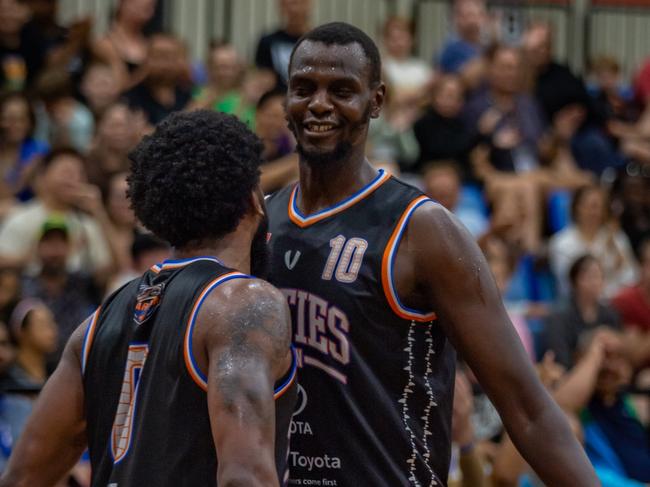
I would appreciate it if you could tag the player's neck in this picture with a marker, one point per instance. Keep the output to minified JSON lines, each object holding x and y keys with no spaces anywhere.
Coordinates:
{"x":327,"y":185}
{"x":233,"y":251}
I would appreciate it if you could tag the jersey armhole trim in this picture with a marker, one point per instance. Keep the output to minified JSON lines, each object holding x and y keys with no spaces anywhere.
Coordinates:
{"x":88,"y":340}
{"x":289,"y":378}
{"x":193,"y":369}
{"x":387,"y":267}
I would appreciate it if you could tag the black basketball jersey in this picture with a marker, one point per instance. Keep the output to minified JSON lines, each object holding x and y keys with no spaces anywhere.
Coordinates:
{"x":146,"y":403}
{"x":375,"y":394}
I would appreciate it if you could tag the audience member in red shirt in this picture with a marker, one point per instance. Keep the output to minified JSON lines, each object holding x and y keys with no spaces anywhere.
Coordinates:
{"x":633,"y":303}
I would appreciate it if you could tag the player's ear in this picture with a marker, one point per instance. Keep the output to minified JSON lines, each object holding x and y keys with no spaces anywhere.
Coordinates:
{"x":257,"y":204}
{"x":377,"y":101}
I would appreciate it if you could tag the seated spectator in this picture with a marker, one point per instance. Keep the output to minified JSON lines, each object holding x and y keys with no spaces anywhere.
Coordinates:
{"x":14,"y":408}
{"x":615,"y":440}
{"x":583,"y":311}
{"x":147,"y":250}
{"x":592,"y":232}
{"x":224,"y":93}
{"x":100,"y":88}
{"x":20,"y":60}
{"x":391,"y":140}
{"x":408,"y":76}
{"x":440,"y":130}
{"x":118,"y":130}
{"x":274,"y":49}
{"x":461,"y":54}
{"x":633,"y":302}
{"x":61,"y":120}
{"x":61,"y":189}
{"x":122,"y":221}
{"x":10,"y":291}
{"x":442,"y":183}
{"x":71,"y":296}
{"x":271,"y":126}
{"x":34,"y":332}
{"x":631,"y":203}
{"x":125,"y":46}
{"x":163,"y":89}
{"x":557,"y":89}
{"x":19,"y":151}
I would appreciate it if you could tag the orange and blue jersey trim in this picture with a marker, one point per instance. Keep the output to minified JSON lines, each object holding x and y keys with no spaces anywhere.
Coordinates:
{"x":387,"y":267}
{"x":195,"y":372}
{"x":304,"y":221}
{"x":176,"y":264}
{"x":88,"y":339}
{"x":290,"y":377}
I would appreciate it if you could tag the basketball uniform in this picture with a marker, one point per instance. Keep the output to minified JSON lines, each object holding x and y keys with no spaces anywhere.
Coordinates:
{"x":375,"y":395}
{"x":146,"y":402}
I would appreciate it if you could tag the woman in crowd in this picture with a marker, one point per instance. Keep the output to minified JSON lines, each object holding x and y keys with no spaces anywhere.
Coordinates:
{"x":592,"y":232}
{"x":35,"y":334}
{"x":125,"y":44}
{"x":18,"y":149}
{"x":584,"y":310}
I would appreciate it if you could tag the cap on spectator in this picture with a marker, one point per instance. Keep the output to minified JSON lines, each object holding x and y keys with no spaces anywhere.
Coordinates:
{"x":54,"y":223}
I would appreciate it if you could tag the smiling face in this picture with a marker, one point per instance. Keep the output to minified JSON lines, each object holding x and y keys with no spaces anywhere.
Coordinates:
{"x":330,"y":100}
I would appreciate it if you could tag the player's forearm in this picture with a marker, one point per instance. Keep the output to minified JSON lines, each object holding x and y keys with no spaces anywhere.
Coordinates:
{"x":551,"y":449}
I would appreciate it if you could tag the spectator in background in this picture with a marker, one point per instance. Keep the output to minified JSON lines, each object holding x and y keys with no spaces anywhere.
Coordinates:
{"x":61,"y":189}
{"x":71,"y":296}
{"x":271,"y":126}
{"x":461,"y":54}
{"x":442,"y":182}
{"x":224,"y":93}
{"x":408,"y":76}
{"x":14,"y":408}
{"x":100,"y":88}
{"x":633,"y":303}
{"x":592,"y":232}
{"x":34,"y":332}
{"x":19,"y":151}
{"x":631,"y":203}
{"x":118,"y":131}
{"x":557,"y":89}
{"x":122,"y":221}
{"x":616,"y":442}
{"x":20,"y":60}
{"x":10,"y":291}
{"x":583,"y":311}
{"x":125,"y":46}
{"x":61,"y":119}
{"x":274,"y":49}
{"x":163,"y":89}
{"x":146,"y":251}
{"x":440,"y":130}
{"x":65,"y":47}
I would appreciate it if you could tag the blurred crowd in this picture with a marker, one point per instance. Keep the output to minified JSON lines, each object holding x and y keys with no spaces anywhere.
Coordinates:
{"x":549,"y":170}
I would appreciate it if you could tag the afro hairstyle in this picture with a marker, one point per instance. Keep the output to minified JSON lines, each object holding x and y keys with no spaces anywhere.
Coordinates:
{"x":343,"y":34}
{"x":192,"y":179}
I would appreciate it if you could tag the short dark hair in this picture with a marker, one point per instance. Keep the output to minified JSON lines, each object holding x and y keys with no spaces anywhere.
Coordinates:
{"x":191,"y":180}
{"x":579,"y":265}
{"x":268,"y":96}
{"x":146,"y":242}
{"x":46,"y":162}
{"x":343,"y":34}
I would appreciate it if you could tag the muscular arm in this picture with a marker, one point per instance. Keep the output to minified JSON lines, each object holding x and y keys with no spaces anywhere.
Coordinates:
{"x":55,"y":435}
{"x":451,"y":277}
{"x":246,"y":341}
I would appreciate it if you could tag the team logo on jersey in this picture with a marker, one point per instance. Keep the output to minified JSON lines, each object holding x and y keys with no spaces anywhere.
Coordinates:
{"x":147,"y":302}
{"x":291,"y":262}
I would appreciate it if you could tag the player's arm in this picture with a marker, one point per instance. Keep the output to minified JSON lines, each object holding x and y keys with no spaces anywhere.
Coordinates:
{"x":455,"y":281}
{"x":247,"y":342}
{"x":55,"y":435}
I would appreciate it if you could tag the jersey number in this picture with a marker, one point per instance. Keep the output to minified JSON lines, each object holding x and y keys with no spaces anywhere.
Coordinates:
{"x":345,"y":259}
{"x":122,"y":432}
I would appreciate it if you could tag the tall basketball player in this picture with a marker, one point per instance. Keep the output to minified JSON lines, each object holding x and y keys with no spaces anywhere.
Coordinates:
{"x":381,"y":282}
{"x":185,"y":376}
